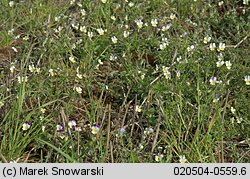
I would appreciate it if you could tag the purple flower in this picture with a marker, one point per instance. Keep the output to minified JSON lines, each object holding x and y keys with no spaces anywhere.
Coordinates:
{"x":26,"y":125}
{"x":60,"y":128}
{"x":72,"y":124}
{"x":121,"y":131}
{"x":95,"y":129}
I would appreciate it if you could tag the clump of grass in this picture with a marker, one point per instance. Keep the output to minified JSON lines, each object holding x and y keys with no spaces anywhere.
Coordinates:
{"x":136,"y":81}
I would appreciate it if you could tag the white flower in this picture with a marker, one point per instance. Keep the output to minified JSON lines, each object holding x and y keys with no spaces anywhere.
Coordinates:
{"x":14,"y":48}
{"x":215,"y":100}
{"x":22,"y":79}
{"x":178,"y":59}
{"x":178,"y":74}
{"x":142,"y":76}
{"x":83,"y":12}
{"x":72,"y":59}
{"x":221,"y":3}
{"x":154,"y":22}
{"x":57,"y":18}
{"x":167,"y":75}
{"x":182,"y":159}
{"x":75,"y":26}
{"x":131,"y":4}
{"x":11,"y":3}
{"x":190,"y":48}
{"x":26,"y":126}
{"x":90,"y":34}
{"x":100,"y":31}
{"x":112,"y":57}
{"x":141,"y":146}
{"x":163,"y":46}
{"x":32,"y":68}
{"x":172,"y":16}
{"x":213,"y":80}
{"x":220,"y":56}
{"x":228,"y":65}
{"x":12,"y":68}
{"x":104,"y":1}
{"x":239,"y":120}
{"x":51,"y":72}
{"x":148,"y":130}
{"x":139,"y":23}
{"x":165,"y":28}
{"x":233,"y":110}
{"x":26,"y":38}
{"x":78,"y":89}
{"x":206,"y":39}
{"x":220,"y":63}
{"x":79,"y":4}
{"x":10,"y":32}
{"x":113,"y":17}
{"x":245,"y":2}
{"x":158,"y":158}
{"x":79,"y":76}
{"x":78,"y":129}
{"x":247,"y":80}
{"x":43,"y":128}
{"x":100,"y":62}
{"x":38,"y":70}
{"x":137,"y":108}
{"x":43,"y":110}
{"x":212,"y":46}
{"x":83,"y":29}
{"x":72,"y":123}
{"x":221,"y":47}
{"x":165,"y":40}
{"x":125,"y":34}
{"x":165,"y":69}
{"x":95,"y":129}
{"x":114,"y":39}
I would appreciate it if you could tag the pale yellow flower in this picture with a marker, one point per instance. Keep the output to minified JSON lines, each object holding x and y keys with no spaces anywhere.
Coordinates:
{"x":114,"y":39}
{"x":247,"y":80}
{"x":172,"y":16}
{"x":221,"y":47}
{"x":12,"y":68}
{"x":212,"y":46}
{"x":72,"y":59}
{"x":182,"y":159}
{"x":100,"y":31}
{"x":137,"y":108}
{"x":228,"y":65}
{"x":158,"y":158}
{"x":154,"y":22}
{"x":206,"y":39}
{"x":213,"y":80}
{"x":43,"y":110}
{"x":139,"y":23}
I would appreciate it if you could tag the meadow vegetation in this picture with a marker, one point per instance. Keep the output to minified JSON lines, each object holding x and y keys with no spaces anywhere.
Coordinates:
{"x":125,"y":81}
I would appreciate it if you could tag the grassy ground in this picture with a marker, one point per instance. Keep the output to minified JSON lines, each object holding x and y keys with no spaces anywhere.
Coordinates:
{"x":124,"y":81}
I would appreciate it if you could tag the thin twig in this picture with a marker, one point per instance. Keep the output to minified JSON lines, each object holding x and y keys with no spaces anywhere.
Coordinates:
{"x":155,"y":79}
{"x":240,"y":42}
{"x":111,"y":152}
{"x":109,"y":118}
{"x":223,"y":116}
{"x":3,"y":158}
{"x":158,"y":126}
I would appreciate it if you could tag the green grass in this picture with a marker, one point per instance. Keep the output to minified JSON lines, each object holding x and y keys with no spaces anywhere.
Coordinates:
{"x":161,"y":97}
